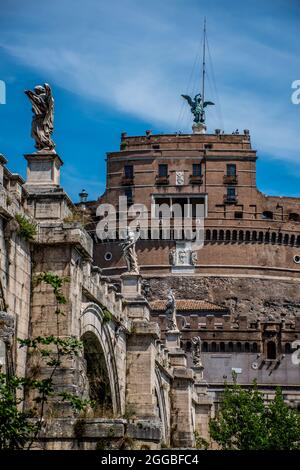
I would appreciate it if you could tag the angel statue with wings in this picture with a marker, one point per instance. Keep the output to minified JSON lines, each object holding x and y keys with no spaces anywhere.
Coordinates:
{"x":197,"y":107}
{"x":43,"y":114}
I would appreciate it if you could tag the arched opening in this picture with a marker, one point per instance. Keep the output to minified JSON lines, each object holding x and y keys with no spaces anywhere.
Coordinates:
{"x":279,"y":238}
{"x":204,"y":347}
{"x":298,"y":240}
{"x":222,"y":346}
{"x":261,"y":237}
{"x":267,"y":237}
{"x":234,"y":236}
{"x":241,"y":235}
{"x":238,"y":347}
{"x":273,"y":237}
{"x":221,"y":235}
{"x":271,"y":350}
{"x":247,"y":347}
{"x":230,"y":346}
{"x":213,"y":347}
{"x":254,"y":236}
{"x":292,"y":240}
{"x":287,"y":348}
{"x":227,"y":235}
{"x":215,"y":235}
{"x":247,"y":238}
{"x":286,"y":239}
{"x":207,"y":235}
{"x":97,"y":374}
{"x":254,"y":347}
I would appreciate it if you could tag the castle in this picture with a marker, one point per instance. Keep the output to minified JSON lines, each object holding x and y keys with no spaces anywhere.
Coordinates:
{"x":236,"y":296}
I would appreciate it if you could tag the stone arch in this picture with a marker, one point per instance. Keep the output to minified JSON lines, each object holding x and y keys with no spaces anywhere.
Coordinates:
{"x":161,"y":405}
{"x":91,"y":323}
{"x":228,"y":235}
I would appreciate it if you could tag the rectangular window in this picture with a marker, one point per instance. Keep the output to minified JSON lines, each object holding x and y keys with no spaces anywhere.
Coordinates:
{"x":128,"y":194}
{"x":238,"y":215}
{"x":231,"y":169}
{"x":196,"y":169}
{"x":128,"y":171}
{"x":231,"y":193}
{"x":163,"y":170}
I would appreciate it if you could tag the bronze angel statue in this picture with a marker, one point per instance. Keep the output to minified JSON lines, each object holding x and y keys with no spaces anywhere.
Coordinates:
{"x":197,"y":107}
{"x":43,"y":115}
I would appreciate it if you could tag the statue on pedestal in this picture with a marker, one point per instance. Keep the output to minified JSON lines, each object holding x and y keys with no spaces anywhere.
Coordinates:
{"x":197,"y":107}
{"x":43,"y":115}
{"x":196,"y":351}
{"x":129,"y":253}
{"x":171,"y":312}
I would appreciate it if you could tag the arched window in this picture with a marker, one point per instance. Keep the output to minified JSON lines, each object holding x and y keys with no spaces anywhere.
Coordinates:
{"x":279,"y":239}
{"x":222,"y":347}
{"x":213,"y":347}
{"x":267,"y":215}
{"x":241,"y":235}
{"x":293,"y":216}
{"x":271,"y":350}
{"x":247,"y":347}
{"x":247,"y":238}
{"x":238,"y":347}
{"x":298,"y":240}
{"x":254,"y":236}
{"x":292,"y":240}
{"x":286,"y":239}
{"x":254,"y":347}
{"x":204,"y":347}
{"x":261,"y":237}
{"x":234,"y":236}
{"x":230,"y":346}
{"x":273,"y":237}
{"x":221,"y":235}
{"x":215,"y":235}
{"x":287,"y":348}
{"x":267,"y":237}
{"x":207,"y":235}
{"x":227,"y":235}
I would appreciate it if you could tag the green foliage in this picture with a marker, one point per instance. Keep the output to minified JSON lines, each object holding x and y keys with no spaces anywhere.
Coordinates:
{"x":56,"y":282}
{"x":247,"y":422}
{"x":16,"y":429}
{"x":200,"y":442}
{"x":15,"y":426}
{"x":107,"y":315}
{"x":27,"y":229}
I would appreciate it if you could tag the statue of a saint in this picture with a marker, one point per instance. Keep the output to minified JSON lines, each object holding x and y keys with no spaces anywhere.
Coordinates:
{"x":129,"y":253}
{"x":43,"y":114}
{"x":196,"y":351}
{"x":171,"y":312}
{"x":197,"y":107}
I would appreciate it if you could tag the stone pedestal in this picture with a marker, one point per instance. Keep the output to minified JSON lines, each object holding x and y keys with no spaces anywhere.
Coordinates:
{"x":199,"y":128}
{"x":173,"y":339}
{"x":43,"y":169}
{"x":131,"y":285}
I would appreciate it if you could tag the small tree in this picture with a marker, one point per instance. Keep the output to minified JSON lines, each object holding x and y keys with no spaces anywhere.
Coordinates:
{"x":246,"y":422}
{"x":20,"y":427}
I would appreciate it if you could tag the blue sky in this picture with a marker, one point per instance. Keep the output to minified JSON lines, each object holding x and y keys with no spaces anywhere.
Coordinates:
{"x":121,"y":65}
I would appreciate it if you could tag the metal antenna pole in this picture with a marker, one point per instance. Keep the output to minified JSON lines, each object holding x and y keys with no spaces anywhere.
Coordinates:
{"x":203,"y":63}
